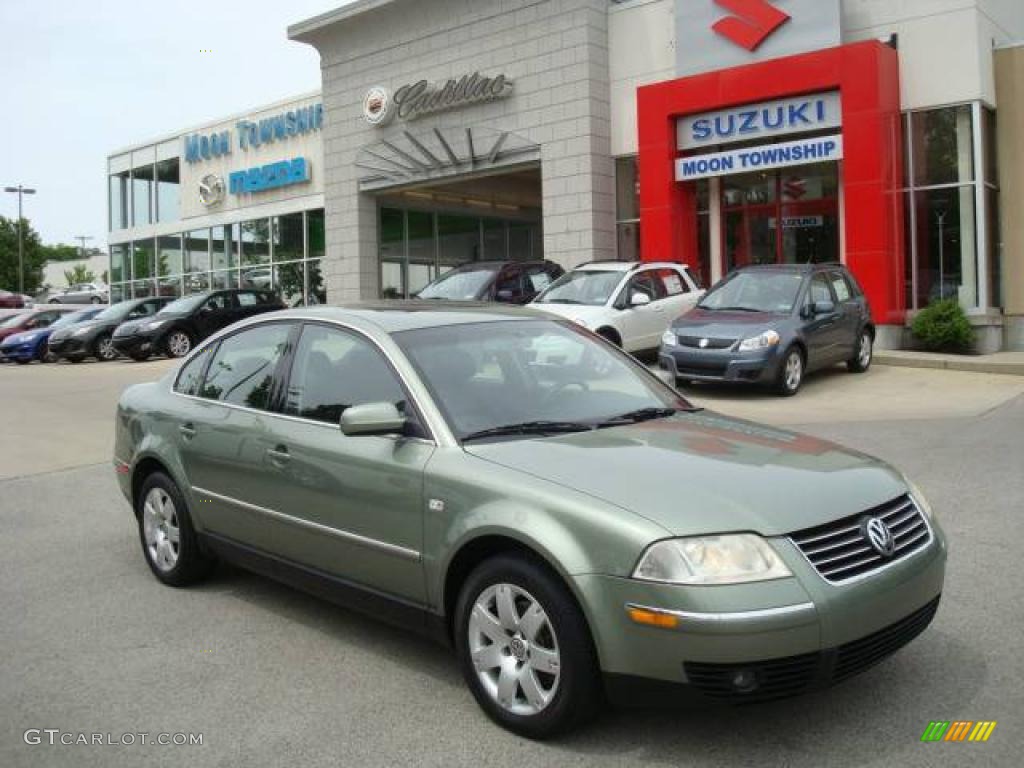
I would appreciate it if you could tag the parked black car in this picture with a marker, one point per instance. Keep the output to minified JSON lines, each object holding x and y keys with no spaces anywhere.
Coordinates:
{"x":772,"y":325}
{"x":510,"y":282}
{"x":93,"y":338}
{"x":185,"y":322}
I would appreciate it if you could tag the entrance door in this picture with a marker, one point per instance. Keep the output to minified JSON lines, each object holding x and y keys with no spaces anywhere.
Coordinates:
{"x":790,"y":216}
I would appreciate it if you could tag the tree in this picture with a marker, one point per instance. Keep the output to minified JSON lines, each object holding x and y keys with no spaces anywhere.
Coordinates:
{"x":34,"y":260}
{"x":61,"y":252}
{"x":79,"y":274}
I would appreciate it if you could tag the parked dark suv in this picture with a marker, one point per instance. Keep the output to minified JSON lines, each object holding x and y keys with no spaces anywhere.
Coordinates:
{"x":176,"y":328}
{"x":771,"y":325}
{"x":510,"y":282}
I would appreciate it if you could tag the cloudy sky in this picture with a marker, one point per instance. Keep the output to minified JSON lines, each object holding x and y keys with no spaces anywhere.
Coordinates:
{"x":84,"y":77}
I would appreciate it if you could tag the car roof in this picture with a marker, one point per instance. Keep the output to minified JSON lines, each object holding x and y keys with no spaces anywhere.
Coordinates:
{"x":625,"y":266}
{"x":798,"y":268}
{"x":398,"y":316}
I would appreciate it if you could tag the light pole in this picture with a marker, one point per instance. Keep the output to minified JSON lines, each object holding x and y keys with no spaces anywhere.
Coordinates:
{"x":83,"y":239}
{"x":20,"y":190}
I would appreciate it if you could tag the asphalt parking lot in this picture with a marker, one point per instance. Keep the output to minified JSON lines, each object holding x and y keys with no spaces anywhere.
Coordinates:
{"x":270,"y":676}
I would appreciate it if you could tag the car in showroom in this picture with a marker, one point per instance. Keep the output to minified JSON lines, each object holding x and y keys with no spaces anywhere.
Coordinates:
{"x":93,"y":338}
{"x":507,"y":282}
{"x":33,"y":344}
{"x":629,"y":303}
{"x":30,"y":320}
{"x":772,"y":325}
{"x":82,"y":293}
{"x":418,"y":462}
{"x":178,"y":326}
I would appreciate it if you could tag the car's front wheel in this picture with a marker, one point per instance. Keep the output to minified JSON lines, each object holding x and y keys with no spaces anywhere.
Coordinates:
{"x":525,"y":649}
{"x":865,"y":353}
{"x":96,"y":300}
{"x":791,"y":373}
{"x":104,"y":348}
{"x":178,"y":344}
{"x":168,"y":539}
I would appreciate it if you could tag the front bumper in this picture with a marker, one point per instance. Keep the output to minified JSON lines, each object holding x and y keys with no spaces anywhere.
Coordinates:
{"x":724,"y":365}
{"x":788,"y":636}
{"x":69,"y":347}
{"x":136,"y":344}
{"x":19,"y":352}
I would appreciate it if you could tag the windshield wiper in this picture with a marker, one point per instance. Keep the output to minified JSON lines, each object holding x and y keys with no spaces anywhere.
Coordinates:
{"x":530,"y":428}
{"x":644,"y":414}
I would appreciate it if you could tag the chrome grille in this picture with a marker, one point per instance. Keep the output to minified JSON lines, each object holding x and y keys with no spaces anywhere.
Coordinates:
{"x":694,"y":342}
{"x":839,"y":551}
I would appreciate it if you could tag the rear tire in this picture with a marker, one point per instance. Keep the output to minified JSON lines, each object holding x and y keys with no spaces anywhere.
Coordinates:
{"x":864,"y":355}
{"x":178,"y":344}
{"x":103,"y":349}
{"x":525,"y":649}
{"x":95,"y":300}
{"x":791,"y":373}
{"x":168,"y":539}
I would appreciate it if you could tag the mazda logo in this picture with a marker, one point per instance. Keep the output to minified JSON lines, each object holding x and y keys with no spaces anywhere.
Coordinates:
{"x":879,"y":536}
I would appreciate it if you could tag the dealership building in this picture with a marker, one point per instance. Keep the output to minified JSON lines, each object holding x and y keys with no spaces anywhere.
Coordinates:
{"x":718,"y":133}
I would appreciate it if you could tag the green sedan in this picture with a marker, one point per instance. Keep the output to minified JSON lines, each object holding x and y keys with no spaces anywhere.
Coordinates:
{"x":523,"y":491}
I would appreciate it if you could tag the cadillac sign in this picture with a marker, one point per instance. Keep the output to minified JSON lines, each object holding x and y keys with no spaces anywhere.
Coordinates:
{"x":415,"y":100}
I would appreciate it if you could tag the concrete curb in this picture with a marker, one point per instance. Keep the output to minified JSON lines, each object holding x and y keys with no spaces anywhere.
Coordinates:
{"x":1014,"y":366}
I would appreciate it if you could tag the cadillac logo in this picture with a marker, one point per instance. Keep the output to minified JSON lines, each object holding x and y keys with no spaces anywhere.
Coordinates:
{"x":377,"y":106}
{"x":879,"y":536}
{"x":211,"y":190}
{"x":704,"y":343}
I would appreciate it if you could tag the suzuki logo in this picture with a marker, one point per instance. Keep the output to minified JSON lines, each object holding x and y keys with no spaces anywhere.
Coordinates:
{"x":753,"y":23}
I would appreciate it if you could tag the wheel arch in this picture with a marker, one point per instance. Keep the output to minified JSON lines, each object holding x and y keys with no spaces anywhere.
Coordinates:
{"x":611,"y":333}
{"x":143,"y":469}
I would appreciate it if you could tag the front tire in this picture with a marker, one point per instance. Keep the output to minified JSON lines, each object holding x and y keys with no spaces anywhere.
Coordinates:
{"x":168,"y":539}
{"x":865,"y":354}
{"x":178,"y":344}
{"x":96,"y":300}
{"x":525,"y":649}
{"x":791,"y":373}
{"x":104,"y":348}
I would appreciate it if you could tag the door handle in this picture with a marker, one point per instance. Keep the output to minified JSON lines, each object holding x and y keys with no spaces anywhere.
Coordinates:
{"x":188,"y":430}
{"x":279,"y":456}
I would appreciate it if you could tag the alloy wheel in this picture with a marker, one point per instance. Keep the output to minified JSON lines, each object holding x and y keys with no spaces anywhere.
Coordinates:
{"x":179,"y":344}
{"x":864,"y":354}
{"x":160,"y":530}
{"x":514,"y":649}
{"x":794,"y":371}
{"x":105,"y":349}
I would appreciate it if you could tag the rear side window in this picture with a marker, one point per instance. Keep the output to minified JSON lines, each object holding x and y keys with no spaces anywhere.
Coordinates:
{"x":673,"y":282}
{"x":539,"y":278}
{"x":335,"y":370}
{"x":190,"y":377}
{"x":242,"y":369}
{"x":841,"y":287}
{"x":819,"y":290}
{"x":248,"y":299}
{"x":217,"y":302}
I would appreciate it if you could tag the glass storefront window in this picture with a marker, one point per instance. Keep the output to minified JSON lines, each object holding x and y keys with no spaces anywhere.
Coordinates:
{"x":224,"y":280}
{"x":255,"y":239}
{"x":119,"y":265}
{"x":143,"y":258}
{"x":120,"y":201}
{"x":421,"y":250}
{"x":627,"y":189}
{"x":117,"y":294}
{"x":142,"y":289}
{"x":458,"y":239}
{"x":943,"y":146}
{"x":495,"y":240}
{"x":197,"y":283}
{"x":629,"y":241}
{"x":316,"y":292}
{"x":168,"y":186}
{"x":225,"y":247}
{"x":392,"y":253}
{"x":946,"y":236}
{"x":168,"y":256}
{"x":142,"y":195}
{"x":169,"y":286}
{"x":520,"y":241}
{"x":316,"y":229}
{"x":197,"y":251}
{"x":289,"y":282}
{"x":289,"y":240}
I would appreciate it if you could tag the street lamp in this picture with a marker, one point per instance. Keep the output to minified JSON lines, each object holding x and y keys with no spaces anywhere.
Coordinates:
{"x":19,"y":191}
{"x":83,"y":239}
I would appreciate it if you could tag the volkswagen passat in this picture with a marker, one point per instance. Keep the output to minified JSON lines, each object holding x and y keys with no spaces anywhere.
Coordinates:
{"x":571,"y":529}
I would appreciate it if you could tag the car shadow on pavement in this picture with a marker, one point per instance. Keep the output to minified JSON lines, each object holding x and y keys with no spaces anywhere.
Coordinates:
{"x":815,"y":382}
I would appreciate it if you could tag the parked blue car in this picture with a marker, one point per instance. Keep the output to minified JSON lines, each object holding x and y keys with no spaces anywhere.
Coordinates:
{"x":25,"y":347}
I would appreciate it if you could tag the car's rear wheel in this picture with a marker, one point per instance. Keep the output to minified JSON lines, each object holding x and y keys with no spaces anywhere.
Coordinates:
{"x":104,"y":348}
{"x":525,"y":649}
{"x":168,"y":539}
{"x":178,"y":344}
{"x":865,"y":353}
{"x":791,"y":373}
{"x":96,"y":300}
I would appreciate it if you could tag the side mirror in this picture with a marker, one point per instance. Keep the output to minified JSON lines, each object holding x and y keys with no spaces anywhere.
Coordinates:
{"x":639,"y":299}
{"x":372,"y":419}
{"x":824,"y":308}
{"x":506,"y":296}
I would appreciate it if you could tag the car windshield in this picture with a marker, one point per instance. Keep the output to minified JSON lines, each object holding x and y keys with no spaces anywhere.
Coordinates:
{"x":117,"y":311}
{"x":15,"y":320}
{"x":532,"y":377}
{"x":754,"y":291}
{"x":462,"y":284}
{"x":74,"y":317}
{"x":591,"y":287}
{"x":183,"y":306}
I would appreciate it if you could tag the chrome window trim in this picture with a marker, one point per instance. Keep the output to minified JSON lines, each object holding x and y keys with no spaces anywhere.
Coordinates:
{"x":731,"y":621}
{"x":886,"y":565}
{"x":382,"y":546}
{"x":217,"y":338}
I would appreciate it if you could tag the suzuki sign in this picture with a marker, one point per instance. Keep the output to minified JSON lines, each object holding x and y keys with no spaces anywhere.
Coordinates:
{"x":822,"y":111}
{"x":717,"y":34}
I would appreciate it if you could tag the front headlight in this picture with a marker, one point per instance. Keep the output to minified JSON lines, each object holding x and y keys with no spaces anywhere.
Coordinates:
{"x":153,"y":325}
{"x":919,"y":499}
{"x":764,"y":341}
{"x":731,"y":559}
{"x":669,"y":339}
{"x":81,"y":332}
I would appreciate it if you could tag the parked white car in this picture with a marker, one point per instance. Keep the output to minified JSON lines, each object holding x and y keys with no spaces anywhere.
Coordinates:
{"x":82,"y":293}
{"x":629,"y":303}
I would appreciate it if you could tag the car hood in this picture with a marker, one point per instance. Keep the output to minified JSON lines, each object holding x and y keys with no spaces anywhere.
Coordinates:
{"x":702,"y":473}
{"x":579,"y":313}
{"x":25,"y":337}
{"x":725,"y":325}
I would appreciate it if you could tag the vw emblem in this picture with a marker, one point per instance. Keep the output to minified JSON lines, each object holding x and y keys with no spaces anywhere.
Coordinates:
{"x":879,"y":536}
{"x":211,"y":190}
{"x":378,"y":106}
{"x":704,"y":343}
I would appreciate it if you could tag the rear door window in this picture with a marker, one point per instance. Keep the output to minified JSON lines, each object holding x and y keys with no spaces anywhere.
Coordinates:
{"x":673,"y":282}
{"x":820,"y":290}
{"x":243,"y":368}
{"x":841,"y":287}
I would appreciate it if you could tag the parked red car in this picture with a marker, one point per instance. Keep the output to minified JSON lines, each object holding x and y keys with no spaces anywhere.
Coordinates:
{"x":10,"y":300}
{"x":29,"y":321}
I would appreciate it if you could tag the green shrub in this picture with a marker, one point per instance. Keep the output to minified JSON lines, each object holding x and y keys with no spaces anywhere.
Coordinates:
{"x":944,"y":327}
